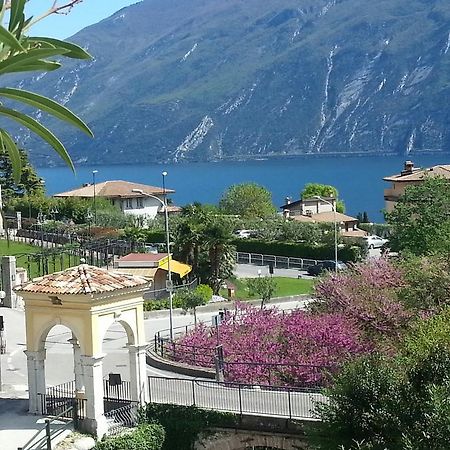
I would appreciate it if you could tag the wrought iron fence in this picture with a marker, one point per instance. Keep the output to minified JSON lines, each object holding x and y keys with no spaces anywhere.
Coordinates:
{"x":116,"y":395}
{"x":262,"y":400}
{"x":278,"y":262}
{"x":120,"y":419}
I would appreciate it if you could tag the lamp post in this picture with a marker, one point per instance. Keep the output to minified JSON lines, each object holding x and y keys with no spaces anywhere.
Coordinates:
{"x":2,"y":343}
{"x":95,"y":205}
{"x":169,"y":285}
{"x":333,"y":205}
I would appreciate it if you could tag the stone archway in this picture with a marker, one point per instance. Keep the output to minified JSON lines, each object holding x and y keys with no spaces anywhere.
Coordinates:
{"x":249,"y":440}
{"x":87,"y":300}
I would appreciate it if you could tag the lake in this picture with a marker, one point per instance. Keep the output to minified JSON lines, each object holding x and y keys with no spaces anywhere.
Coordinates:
{"x":359,"y":180}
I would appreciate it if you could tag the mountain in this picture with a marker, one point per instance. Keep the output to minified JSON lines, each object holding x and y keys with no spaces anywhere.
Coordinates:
{"x":183,"y":80}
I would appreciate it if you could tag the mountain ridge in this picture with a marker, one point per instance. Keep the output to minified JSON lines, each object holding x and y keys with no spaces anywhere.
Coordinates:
{"x":215,"y":80}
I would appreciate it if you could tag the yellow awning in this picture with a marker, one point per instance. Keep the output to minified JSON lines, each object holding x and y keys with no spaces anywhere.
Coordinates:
{"x":177,"y":267}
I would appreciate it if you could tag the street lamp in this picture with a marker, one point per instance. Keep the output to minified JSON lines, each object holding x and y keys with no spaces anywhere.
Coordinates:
{"x":95,"y":206}
{"x":333,"y":205}
{"x":169,"y":285}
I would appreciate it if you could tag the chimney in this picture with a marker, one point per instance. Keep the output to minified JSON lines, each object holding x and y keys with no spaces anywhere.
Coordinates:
{"x":409,"y":168}
{"x":288,"y":200}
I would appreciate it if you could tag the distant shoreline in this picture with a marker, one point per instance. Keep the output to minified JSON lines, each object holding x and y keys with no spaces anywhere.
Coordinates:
{"x":254,"y":158}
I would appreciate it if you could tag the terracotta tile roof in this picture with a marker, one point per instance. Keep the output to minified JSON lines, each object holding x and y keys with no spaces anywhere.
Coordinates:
{"x":114,"y":189}
{"x":171,"y":209}
{"x":83,"y":279}
{"x":301,"y":218}
{"x":329,"y":217}
{"x":150,"y":257}
{"x":442,"y":170}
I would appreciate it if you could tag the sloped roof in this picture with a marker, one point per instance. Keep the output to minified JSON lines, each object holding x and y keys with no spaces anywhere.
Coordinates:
{"x":442,"y":170}
{"x":139,"y":257}
{"x":327,"y":217}
{"x":83,"y":279}
{"x":114,"y":189}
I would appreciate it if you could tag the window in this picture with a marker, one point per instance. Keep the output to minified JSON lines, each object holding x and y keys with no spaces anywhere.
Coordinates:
{"x":139,"y":202}
{"x":129,"y":203}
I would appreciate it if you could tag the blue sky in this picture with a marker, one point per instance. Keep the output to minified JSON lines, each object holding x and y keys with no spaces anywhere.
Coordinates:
{"x":86,"y":13}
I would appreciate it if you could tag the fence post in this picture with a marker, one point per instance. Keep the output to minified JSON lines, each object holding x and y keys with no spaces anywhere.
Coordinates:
{"x":193,"y":392}
{"x":240,"y":400}
{"x":47,"y":433}
{"x":289,"y":403}
{"x":75,"y":413}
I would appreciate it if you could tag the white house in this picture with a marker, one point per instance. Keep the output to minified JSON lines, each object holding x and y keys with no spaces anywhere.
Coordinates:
{"x":121,"y":195}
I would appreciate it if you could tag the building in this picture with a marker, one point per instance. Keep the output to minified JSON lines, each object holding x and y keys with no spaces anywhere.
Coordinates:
{"x":153,"y":266}
{"x":308,"y":206}
{"x":410,"y":176}
{"x":321,"y":210}
{"x":121,"y":195}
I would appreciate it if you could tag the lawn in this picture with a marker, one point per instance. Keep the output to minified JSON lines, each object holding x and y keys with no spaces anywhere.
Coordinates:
{"x":23,"y":253}
{"x":285,"y":288}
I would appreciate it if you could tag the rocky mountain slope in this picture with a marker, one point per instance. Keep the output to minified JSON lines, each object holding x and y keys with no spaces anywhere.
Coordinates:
{"x":181,"y":80}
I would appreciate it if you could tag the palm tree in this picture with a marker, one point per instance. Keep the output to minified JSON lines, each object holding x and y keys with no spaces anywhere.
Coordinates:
{"x":20,"y":53}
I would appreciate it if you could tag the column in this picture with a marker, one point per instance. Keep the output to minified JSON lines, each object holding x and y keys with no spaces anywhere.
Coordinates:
{"x":36,"y":380}
{"x":9,"y":280}
{"x":138,"y":373}
{"x":77,"y":366}
{"x":95,"y":422}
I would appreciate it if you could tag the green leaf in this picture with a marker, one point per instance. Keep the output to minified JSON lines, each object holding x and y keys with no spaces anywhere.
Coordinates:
{"x":37,"y":128}
{"x":46,"y":104}
{"x":10,"y":146}
{"x":73,"y":51}
{"x":9,"y":39}
{"x":16,"y":13}
{"x":18,"y":63}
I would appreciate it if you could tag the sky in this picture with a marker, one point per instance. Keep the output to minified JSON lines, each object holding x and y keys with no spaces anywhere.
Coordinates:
{"x":82,"y":15}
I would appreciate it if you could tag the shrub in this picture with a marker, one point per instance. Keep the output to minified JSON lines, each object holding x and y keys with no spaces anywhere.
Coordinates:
{"x":183,"y":424}
{"x":145,"y":437}
{"x":295,"y":250}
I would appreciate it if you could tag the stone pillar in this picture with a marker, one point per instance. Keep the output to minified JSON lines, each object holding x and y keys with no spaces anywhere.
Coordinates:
{"x":138,"y":374}
{"x":36,"y":380}
{"x":95,"y":422}
{"x":77,"y":367}
{"x":9,"y":280}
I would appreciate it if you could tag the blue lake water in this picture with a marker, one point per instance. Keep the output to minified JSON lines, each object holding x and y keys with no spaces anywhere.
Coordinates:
{"x":359,"y":180}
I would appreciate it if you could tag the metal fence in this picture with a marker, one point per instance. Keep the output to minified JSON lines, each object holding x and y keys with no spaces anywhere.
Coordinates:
{"x":120,"y":419}
{"x":278,"y":262}
{"x":259,"y":400}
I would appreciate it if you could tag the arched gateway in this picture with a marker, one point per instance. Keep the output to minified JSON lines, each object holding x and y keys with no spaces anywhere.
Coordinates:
{"x":87,"y":300}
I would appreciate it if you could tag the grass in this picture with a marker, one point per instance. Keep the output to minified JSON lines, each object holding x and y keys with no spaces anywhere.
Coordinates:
{"x":285,"y":288}
{"x":23,"y":253}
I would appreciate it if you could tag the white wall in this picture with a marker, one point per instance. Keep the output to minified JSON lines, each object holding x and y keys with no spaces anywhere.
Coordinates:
{"x":150,"y":209}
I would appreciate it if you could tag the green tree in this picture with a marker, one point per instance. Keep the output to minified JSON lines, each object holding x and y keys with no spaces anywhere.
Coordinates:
{"x":190,"y":299}
{"x":21,"y":53}
{"x":248,"y":200}
{"x":219,"y":256}
{"x":322,"y":190}
{"x":263,"y":287}
{"x":420,"y":221}
{"x":29,"y":182}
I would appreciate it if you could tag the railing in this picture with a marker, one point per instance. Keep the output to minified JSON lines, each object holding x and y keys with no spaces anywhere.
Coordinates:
{"x":260,"y":400}
{"x":116,"y":395}
{"x":122,"y":418}
{"x":70,"y":412}
{"x":278,"y":262}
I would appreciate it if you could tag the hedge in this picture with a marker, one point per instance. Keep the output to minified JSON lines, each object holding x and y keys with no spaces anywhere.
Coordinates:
{"x":183,"y":424}
{"x":145,"y":437}
{"x":346,"y":253}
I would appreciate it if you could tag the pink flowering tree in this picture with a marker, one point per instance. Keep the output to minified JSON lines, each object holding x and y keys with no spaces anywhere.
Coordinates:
{"x":367,"y":295}
{"x":268,"y":346}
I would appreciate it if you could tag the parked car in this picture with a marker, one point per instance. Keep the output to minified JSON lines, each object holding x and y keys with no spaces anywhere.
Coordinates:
{"x":323,"y":266}
{"x":374,"y":241}
{"x":245,"y":234}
